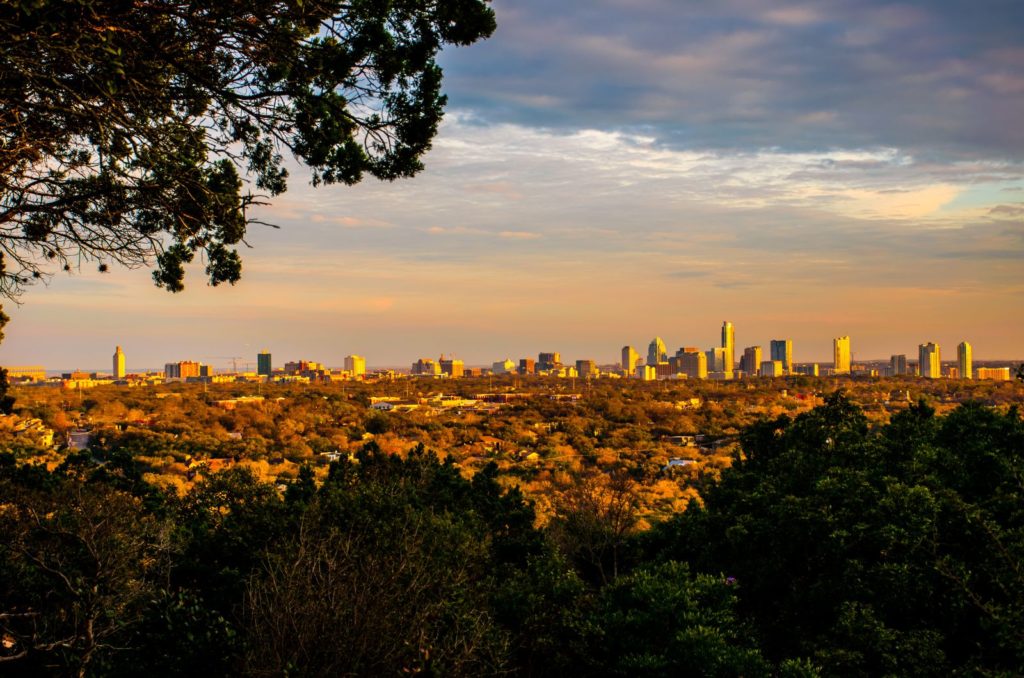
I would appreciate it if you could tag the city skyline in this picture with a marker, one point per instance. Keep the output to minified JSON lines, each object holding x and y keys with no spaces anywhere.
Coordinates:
{"x":748,"y":359}
{"x":621,"y":170}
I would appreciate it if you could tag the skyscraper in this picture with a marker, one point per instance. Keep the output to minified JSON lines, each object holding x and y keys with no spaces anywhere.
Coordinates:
{"x":841,"y":355}
{"x":715,"y":358}
{"x":694,"y":364}
{"x":729,"y":344}
{"x":453,"y":367}
{"x":118,"y":363}
{"x":782,"y":349}
{"x":549,"y":361}
{"x":750,"y":363}
{"x":929,"y":360}
{"x":263,"y":364}
{"x":629,"y":359}
{"x":657,"y":354}
{"x":965,"y":360}
{"x":356,"y":364}
{"x":898,"y":364}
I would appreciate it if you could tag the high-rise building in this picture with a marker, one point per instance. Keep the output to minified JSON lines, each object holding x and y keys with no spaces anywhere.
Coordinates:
{"x":426,"y":366}
{"x":841,"y":355}
{"x":930,"y":360}
{"x":549,"y":361}
{"x":694,"y":364}
{"x":898,"y":365}
{"x":716,"y":358}
{"x":729,"y":344}
{"x":264,"y":367}
{"x":527,"y":366}
{"x":657,"y":354}
{"x":782,"y":349}
{"x":118,"y":363}
{"x":751,"y":360}
{"x":586,"y":368}
{"x":182,"y":370}
{"x":355,"y":365}
{"x":453,"y":367}
{"x":771,"y":368}
{"x":965,"y":360}
{"x":630,"y":358}
{"x":505,"y":366}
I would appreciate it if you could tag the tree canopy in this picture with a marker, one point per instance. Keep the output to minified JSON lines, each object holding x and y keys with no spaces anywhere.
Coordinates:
{"x":142,"y":132}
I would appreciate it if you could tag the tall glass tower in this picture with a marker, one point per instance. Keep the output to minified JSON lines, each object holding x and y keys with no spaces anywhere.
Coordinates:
{"x":729,"y":344}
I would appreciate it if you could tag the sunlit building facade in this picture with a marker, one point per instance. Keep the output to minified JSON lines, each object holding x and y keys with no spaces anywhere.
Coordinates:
{"x":729,"y":345}
{"x":549,"y":361}
{"x":586,"y":368}
{"x":630,"y":359}
{"x":751,"y":360}
{"x":694,"y":364}
{"x":355,"y":365}
{"x":453,"y":367}
{"x":930,"y":360}
{"x":782,"y":349}
{"x":657,"y":354}
{"x":118,"y":370}
{"x":841,"y":355}
{"x":965,"y":360}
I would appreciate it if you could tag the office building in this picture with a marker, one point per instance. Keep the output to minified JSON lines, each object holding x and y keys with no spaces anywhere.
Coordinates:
{"x":264,"y":367}
{"x":694,"y":364}
{"x":729,"y":344}
{"x":426,"y":367}
{"x":645,"y":372}
{"x":549,"y":361}
{"x":630,"y":359}
{"x":997,"y":373}
{"x":841,"y":355}
{"x":182,"y":370}
{"x":453,"y":367}
{"x":716,"y":359}
{"x":782,"y":349}
{"x":930,"y":360}
{"x":751,"y":360}
{"x":810,"y":370}
{"x":898,"y":365}
{"x":586,"y":368}
{"x":771,"y":368}
{"x":355,"y":365}
{"x":118,"y":370}
{"x":527,"y":366}
{"x":505,"y":366}
{"x":965,"y":360}
{"x":657,"y":354}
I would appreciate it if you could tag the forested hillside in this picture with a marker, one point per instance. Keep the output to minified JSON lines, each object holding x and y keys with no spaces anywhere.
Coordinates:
{"x":830,"y":546}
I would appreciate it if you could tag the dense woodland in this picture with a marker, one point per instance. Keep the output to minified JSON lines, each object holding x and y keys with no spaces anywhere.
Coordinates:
{"x":839,"y":536}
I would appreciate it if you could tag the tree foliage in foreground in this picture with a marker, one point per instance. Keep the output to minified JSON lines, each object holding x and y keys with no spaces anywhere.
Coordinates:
{"x":126,"y":128}
{"x":829,"y":548}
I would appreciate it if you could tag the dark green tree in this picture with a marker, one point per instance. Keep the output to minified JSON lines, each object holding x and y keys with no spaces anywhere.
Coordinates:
{"x":6,"y":401}
{"x":129,"y":130}
{"x":893,"y":551}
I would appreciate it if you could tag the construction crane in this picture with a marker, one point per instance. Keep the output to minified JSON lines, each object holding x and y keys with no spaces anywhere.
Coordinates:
{"x":233,"y":358}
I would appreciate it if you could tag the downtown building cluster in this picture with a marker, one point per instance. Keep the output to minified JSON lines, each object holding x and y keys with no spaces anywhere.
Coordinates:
{"x":721,"y":362}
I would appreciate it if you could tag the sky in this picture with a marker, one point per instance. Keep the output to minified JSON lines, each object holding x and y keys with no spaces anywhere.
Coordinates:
{"x":613,"y":170}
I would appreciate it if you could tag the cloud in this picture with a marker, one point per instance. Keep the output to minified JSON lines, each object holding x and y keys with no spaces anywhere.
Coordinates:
{"x":519,"y":235}
{"x":934,"y":79}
